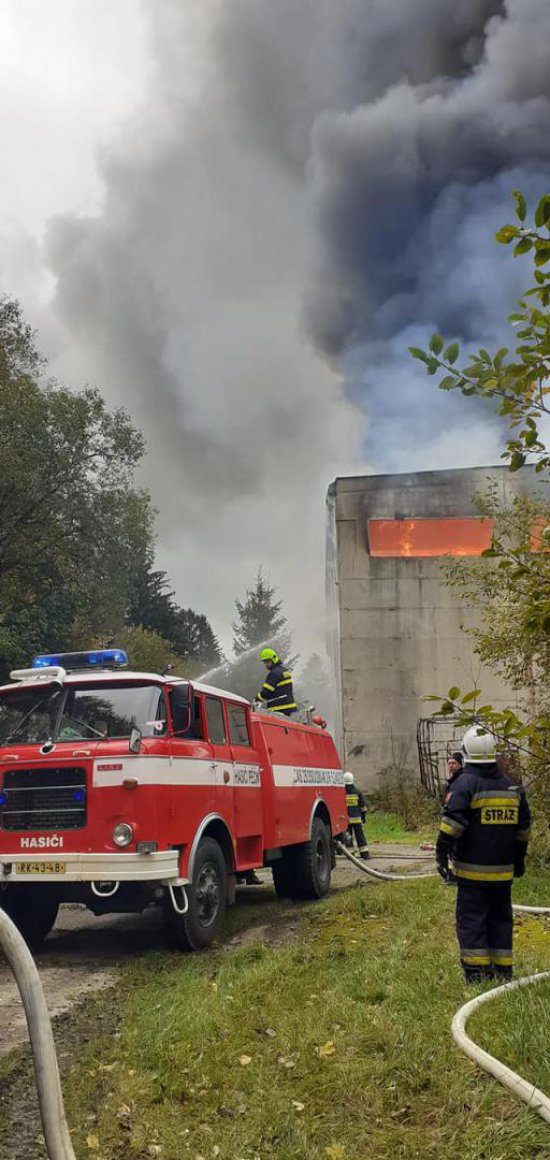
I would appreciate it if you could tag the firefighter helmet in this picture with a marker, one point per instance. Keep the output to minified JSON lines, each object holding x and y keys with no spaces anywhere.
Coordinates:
{"x":348,"y":779}
{"x":479,"y":746}
{"x":269,"y":654}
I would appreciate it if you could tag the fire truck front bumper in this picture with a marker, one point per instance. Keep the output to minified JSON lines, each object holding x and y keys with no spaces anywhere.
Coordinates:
{"x":160,"y":866}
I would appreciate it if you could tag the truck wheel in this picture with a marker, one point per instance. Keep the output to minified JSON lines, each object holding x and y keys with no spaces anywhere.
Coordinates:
{"x":207,"y":899}
{"x":314,"y":864}
{"x":33,"y":909}
{"x":284,"y":875}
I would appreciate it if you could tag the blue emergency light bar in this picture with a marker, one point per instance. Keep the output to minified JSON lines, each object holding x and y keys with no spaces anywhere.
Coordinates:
{"x":104,"y":658}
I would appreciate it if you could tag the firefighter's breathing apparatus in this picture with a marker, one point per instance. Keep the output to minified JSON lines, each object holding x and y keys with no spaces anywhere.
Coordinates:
{"x":536,"y":1100}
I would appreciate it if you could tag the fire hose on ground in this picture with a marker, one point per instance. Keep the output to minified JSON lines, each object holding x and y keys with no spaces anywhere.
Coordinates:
{"x":385,"y":875}
{"x":50,"y":1099}
{"x":536,"y":1100}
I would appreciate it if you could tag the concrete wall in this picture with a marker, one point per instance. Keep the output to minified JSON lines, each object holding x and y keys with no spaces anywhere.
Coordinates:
{"x":396,"y":632}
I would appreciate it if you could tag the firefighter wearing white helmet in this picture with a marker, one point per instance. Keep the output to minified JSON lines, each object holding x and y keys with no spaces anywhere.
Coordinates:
{"x":357,"y":815}
{"x":479,"y":747}
{"x":485,"y":830}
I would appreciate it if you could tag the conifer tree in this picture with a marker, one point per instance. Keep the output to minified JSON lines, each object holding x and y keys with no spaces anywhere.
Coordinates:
{"x":260,"y":623}
{"x":260,"y":620}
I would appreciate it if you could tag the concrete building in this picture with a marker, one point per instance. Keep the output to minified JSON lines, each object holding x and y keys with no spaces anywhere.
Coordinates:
{"x":395,"y":630}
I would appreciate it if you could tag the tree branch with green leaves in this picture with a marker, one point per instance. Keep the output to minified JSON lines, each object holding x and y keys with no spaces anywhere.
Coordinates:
{"x":510,"y":585}
{"x":519,"y":380}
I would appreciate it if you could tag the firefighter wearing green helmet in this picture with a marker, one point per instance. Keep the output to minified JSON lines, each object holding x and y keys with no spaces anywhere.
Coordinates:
{"x":276,"y":692}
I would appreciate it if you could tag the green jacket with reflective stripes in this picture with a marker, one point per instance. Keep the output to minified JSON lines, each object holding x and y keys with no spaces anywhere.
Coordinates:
{"x":485,"y":825}
{"x":276,"y":691}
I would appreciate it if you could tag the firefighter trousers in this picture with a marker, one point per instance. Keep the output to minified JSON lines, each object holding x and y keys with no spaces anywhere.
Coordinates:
{"x":355,"y":830}
{"x":484,"y":923}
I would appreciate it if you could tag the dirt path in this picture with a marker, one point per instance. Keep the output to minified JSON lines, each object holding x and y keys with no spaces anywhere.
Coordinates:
{"x":84,"y":953}
{"x":285,"y":928}
{"x":390,"y":857}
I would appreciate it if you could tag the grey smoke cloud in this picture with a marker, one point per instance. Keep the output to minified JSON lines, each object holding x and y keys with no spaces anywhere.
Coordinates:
{"x":319,"y":193}
{"x":408,"y":189}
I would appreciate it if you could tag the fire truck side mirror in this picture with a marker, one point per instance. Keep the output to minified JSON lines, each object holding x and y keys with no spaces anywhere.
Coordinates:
{"x":134,"y":744}
{"x":180,"y":707}
{"x":183,"y":723}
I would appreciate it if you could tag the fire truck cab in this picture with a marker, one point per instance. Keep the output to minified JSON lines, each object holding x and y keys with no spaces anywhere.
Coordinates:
{"x":123,"y":789}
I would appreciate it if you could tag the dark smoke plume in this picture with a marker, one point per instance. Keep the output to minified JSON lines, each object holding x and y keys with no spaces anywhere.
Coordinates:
{"x":408,"y":189}
{"x":304,"y":179}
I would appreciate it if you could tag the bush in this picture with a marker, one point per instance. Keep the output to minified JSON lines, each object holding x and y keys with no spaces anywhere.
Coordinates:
{"x":404,"y":795}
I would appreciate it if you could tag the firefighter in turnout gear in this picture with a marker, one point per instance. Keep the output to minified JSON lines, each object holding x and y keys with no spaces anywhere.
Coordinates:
{"x":485,"y":831}
{"x":276,"y":692}
{"x":357,"y":815}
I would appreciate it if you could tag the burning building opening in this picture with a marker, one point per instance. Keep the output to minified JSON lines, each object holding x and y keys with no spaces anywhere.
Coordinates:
{"x":396,"y":631}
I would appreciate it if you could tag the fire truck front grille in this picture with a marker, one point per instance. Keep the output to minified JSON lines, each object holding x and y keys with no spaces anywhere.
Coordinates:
{"x":43,"y":799}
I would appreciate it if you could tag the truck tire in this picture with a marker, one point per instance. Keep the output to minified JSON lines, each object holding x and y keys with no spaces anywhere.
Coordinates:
{"x":313,"y":864}
{"x":207,"y":902}
{"x":33,"y":909}
{"x":284,"y":874}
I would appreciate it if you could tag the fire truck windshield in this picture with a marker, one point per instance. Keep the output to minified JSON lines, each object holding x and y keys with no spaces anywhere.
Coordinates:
{"x":82,"y":712}
{"x":29,"y":716}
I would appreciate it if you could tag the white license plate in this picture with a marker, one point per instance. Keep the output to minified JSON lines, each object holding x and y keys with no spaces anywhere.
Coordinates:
{"x":40,"y":868}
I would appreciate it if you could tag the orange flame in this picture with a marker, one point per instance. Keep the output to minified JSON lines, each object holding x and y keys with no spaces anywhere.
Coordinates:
{"x":429,"y":537}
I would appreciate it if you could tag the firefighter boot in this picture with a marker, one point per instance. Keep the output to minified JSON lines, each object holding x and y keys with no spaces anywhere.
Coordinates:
{"x":502,"y":974}
{"x":477,"y":974}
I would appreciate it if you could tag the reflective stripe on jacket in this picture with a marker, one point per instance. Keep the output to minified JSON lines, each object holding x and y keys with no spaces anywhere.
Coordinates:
{"x":355,"y":803}
{"x":277,"y":692}
{"x":486,"y":819}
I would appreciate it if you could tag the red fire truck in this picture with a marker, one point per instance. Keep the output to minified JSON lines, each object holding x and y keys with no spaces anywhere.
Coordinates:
{"x":122,"y":790}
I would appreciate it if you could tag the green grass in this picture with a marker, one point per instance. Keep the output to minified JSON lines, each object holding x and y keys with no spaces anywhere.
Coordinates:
{"x":336,"y":1045}
{"x":515,"y":1029}
{"x":533,"y":890}
{"x":10,"y":1062}
{"x":383,"y":826}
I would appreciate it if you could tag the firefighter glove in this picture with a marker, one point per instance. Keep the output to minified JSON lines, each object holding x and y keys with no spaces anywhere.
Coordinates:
{"x":519,"y":865}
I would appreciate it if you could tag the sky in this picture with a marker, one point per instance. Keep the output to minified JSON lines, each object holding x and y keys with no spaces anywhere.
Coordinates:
{"x":235,"y":218}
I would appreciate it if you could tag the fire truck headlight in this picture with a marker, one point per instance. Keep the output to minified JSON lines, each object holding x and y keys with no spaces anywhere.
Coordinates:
{"x":123,"y":834}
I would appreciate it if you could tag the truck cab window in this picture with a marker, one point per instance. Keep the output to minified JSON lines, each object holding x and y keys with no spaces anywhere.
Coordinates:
{"x":29,"y":716}
{"x":111,"y":710}
{"x":238,"y":726}
{"x":216,"y":724}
